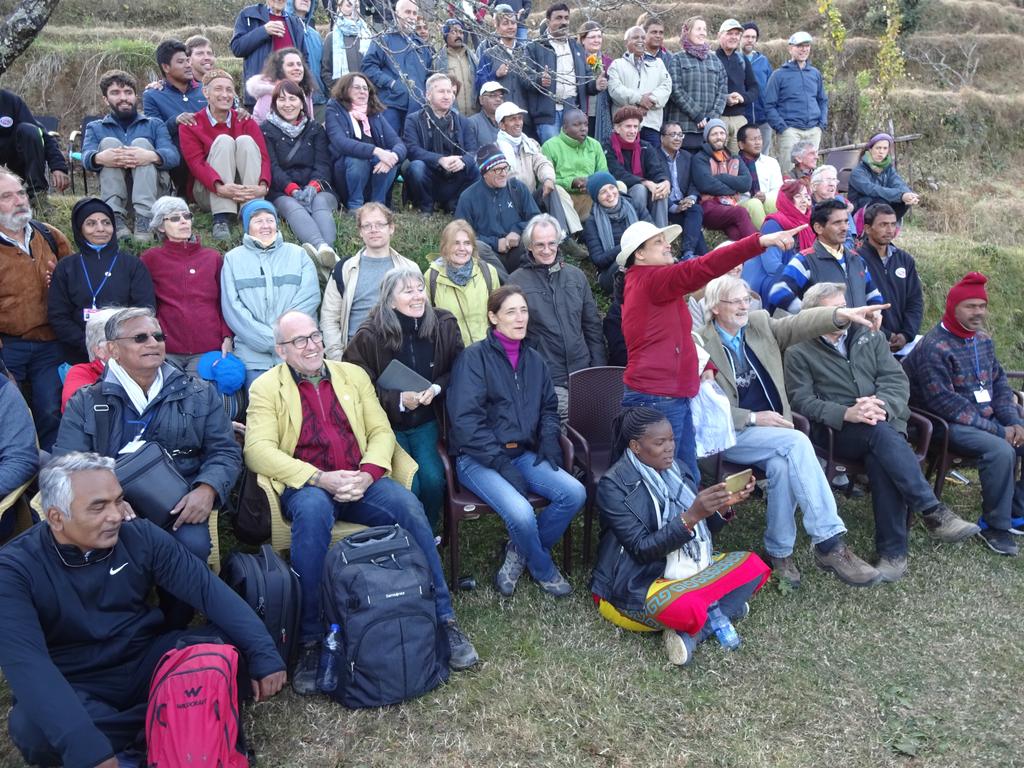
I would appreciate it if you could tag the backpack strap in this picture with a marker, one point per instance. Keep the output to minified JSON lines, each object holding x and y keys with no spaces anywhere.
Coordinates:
{"x":486,"y":269}
{"x":101,"y":412}
{"x":432,"y":284}
{"x":44,"y":230}
{"x":339,"y":279}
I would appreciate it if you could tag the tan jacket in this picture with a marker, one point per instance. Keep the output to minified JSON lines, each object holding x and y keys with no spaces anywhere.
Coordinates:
{"x":274,"y":421}
{"x":24,"y":286}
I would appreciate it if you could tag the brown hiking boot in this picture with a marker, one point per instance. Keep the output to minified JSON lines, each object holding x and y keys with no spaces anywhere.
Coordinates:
{"x":785,"y":570}
{"x":847,"y":567}
{"x":943,"y":524}
{"x":892,"y":568}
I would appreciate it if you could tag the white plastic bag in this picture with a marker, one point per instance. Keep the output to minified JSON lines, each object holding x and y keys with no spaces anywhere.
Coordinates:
{"x":712,"y":420}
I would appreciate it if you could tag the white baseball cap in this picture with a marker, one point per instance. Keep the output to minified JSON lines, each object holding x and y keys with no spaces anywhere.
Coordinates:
{"x":506,"y":109}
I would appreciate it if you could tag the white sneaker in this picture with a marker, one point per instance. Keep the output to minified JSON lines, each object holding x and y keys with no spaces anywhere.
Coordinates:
{"x":679,"y":647}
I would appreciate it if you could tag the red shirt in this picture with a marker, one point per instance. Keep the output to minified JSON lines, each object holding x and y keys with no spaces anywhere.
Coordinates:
{"x":197,"y":139}
{"x":186,"y":279}
{"x":656,"y":324}
{"x":285,"y":40}
{"x":78,"y":376}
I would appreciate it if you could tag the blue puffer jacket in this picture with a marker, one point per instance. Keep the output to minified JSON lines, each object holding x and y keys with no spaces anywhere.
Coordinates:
{"x":251,"y":43}
{"x":142,"y":127}
{"x":796,"y":98}
{"x":187,"y":418}
{"x":490,"y":404}
{"x":398,"y":66}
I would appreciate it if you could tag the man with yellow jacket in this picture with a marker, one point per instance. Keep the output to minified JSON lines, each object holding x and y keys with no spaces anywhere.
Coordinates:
{"x":317,"y":430}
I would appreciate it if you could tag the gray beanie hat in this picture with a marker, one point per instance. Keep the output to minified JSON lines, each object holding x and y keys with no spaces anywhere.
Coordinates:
{"x":714,"y":123}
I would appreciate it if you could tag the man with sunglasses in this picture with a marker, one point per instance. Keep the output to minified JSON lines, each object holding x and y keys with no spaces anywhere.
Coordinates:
{"x":142,"y":398}
{"x":340,"y":461}
{"x":498,"y":207}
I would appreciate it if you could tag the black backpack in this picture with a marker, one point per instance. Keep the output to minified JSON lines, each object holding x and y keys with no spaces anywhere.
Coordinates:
{"x":378,"y":588}
{"x":271,"y":588}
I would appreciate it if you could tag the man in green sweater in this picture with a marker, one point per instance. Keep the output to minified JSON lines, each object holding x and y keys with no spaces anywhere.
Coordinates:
{"x":575,"y":156}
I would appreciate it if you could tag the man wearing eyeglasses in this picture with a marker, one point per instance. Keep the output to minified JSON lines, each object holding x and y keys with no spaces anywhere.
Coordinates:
{"x":498,"y":207}
{"x":340,"y":461}
{"x":142,"y":398}
{"x":683,"y":195}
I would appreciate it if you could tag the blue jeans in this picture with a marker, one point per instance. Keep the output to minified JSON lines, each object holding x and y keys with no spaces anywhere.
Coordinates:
{"x":691,"y":220}
{"x":312,"y":513}
{"x":547,"y":131}
{"x":794,"y":477}
{"x":1001,"y":498}
{"x":395,"y":118}
{"x":533,"y":535}
{"x":357,"y":171}
{"x":677,"y":411}
{"x":36,"y":363}
{"x":428,"y":186}
{"x":428,"y":484}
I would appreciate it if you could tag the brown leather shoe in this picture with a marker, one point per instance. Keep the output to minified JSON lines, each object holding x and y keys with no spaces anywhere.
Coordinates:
{"x":943,"y":524}
{"x":892,"y":568}
{"x":847,"y":567}
{"x":785,"y":570}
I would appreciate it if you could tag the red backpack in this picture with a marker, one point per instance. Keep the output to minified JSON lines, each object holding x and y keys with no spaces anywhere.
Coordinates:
{"x":192,"y":717}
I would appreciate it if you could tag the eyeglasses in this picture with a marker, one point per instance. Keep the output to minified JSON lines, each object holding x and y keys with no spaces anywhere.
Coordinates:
{"x":501,"y":170}
{"x":357,"y":87}
{"x":745,"y":301}
{"x":142,"y":338}
{"x":301,"y":342}
{"x":177,"y":218}
{"x":374,"y":226}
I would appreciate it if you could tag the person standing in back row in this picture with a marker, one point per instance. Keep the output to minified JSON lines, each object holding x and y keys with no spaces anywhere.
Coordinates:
{"x":795,"y":101}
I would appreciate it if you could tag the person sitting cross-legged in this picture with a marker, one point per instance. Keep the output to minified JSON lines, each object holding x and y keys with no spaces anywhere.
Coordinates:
{"x":746,"y":350}
{"x":721,"y":179}
{"x":848,"y":380}
{"x":332,"y":463}
{"x":81,"y":638}
{"x":656,"y":568}
{"x":765,"y":174}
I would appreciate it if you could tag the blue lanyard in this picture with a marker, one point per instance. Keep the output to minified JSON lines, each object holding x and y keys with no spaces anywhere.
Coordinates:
{"x":977,"y":361}
{"x":143,"y":422}
{"x":106,"y":276}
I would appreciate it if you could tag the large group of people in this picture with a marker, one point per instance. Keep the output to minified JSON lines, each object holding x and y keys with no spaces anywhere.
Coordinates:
{"x":538,"y":147}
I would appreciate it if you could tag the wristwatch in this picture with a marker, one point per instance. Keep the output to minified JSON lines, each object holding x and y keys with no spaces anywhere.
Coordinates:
{"x":752,"y":419}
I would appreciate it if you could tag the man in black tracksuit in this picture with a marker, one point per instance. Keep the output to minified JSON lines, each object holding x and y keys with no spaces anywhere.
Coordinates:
{"x":79,"y":641}
{"x":27,"y":149}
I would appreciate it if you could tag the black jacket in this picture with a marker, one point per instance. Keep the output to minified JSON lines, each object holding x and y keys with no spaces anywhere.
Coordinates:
{"x":632,"y":550}
{"x":89,"y":626}
{"x":718,"y":184}
{"x":13,"y":107}
{"x":129,"y":284}
{"x":490,"y":404}
{"x":187,"y":418}
{"x":602,"y":259}
{"x":652,"y":161}
{"x":540,"y":101}
{"x":565,"y":325}
{"x":900,"y":286}
{"x":741,"y":80}
{"x":311,"y":161}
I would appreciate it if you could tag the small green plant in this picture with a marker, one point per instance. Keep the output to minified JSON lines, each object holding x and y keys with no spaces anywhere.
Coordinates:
{"x":835,"y":39}
{"x":890,"y":69}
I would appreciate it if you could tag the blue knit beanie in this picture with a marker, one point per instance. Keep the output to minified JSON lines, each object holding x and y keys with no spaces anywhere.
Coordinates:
{"x":253,"y":207}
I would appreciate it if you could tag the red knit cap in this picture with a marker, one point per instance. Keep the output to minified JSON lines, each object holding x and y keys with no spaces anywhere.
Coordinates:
{"x":972,"y":286}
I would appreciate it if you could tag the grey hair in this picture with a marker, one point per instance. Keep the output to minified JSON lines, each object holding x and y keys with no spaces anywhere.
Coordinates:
{"x":820,"y":171}
{"x":821,"y":292}
{"x":799,"y":148}
{"x":55,"y":479}
{"x":96,"y":329}
{"x":276,"y":325}
{"x":718,"y":289}
{"x":536,"y":221}
{"x":434,"y":78}
{"x":383,"y":319}
{"x":163,"y":207}
{"x":631,"y":30}
{"x":116,"y":322}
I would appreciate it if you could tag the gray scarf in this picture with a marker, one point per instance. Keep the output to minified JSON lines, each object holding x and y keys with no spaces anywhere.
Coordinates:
{"x":291,"y":130}
{"x":604,"y":218}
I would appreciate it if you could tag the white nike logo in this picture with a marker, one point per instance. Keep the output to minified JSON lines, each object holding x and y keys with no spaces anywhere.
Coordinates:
{"x":114,"y":571}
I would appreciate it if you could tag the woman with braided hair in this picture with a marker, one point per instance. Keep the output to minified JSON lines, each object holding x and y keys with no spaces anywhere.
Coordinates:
{"x":656,"y":569}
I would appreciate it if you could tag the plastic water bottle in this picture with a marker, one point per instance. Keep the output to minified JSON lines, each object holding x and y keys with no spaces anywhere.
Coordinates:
{"x":723,"y":628}
{"x":330,"y":657}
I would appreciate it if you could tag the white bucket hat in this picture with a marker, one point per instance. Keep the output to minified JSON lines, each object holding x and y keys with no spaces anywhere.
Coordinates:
{"x":639,"y":233}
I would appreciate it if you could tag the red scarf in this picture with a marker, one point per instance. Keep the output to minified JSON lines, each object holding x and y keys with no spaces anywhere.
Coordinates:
{"x":788,"y":216}
{"x":951,"y":324}
{"x":618,"y":145}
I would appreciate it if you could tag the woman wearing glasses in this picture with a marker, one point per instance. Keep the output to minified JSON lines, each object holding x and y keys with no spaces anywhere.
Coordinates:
{"x":262,"y":279}
{"x":404,"y":327}
{"x":149,"y":400}
{"x":99,"y":275}
{"x":186,"y":279}
{"x":354,"y":286}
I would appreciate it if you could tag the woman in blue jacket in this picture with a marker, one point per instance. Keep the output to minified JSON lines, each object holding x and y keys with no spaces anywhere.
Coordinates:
{"x":503,"y":430}
{"x":875,"y":179}
{"x":365,"y":150}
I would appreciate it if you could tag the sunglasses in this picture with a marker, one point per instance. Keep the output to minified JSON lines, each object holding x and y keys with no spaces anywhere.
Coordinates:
{"x":178,"y":217}
{"x":142,"y":338}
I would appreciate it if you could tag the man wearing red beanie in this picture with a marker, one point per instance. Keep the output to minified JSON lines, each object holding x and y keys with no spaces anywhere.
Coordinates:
{"x":953,"y":372}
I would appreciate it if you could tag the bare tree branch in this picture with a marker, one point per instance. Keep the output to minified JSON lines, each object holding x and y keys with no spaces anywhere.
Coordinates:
{"x":20,"y":27}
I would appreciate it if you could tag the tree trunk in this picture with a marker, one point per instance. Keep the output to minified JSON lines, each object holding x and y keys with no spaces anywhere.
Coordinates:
{"x":20,"y":27}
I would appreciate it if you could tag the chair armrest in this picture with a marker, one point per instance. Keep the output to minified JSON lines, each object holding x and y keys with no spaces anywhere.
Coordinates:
{"x":9,"y":500}
{"x":936,"y":421}
{"x":801,"y":424}
{"x":924,"y":431}
{"x":446,"y":462}
{"x":567,"y":452}
{"x":73,"y":137}
{"x":580,"y":446}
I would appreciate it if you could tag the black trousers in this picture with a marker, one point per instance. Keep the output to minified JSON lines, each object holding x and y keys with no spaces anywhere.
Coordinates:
{"x":25,"y":154}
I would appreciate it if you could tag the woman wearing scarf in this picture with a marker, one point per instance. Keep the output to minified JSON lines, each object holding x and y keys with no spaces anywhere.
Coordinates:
{"x":285,"y":64}
{"x":602,"y":231}
{"x":365,"y":150}
{"x":792,"y":208}
{"x":656,"y":569}
{"x":459,"y":282}
{"x":638,"y":165}
{"x":875,"y":179}
{"x":699,"y":83}
{"x":99,"y":275}
{"x":598,"y":107}
{"x":300,"y":165}
{"x":345,"y":45}
{"x":404,"y":327}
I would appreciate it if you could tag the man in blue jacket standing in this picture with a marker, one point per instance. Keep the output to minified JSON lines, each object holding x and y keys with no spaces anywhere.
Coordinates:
{"x":559,"y":75}
{"x":756,"y":112}
{"x":81,"y":640}
{"x":129,"y":151}
{"x":398,"y":63}
{"x":795,"y":101}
